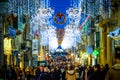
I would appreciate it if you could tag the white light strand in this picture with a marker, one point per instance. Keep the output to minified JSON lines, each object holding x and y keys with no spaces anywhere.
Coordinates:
{"x":72,"y":32}
{"x":72,"y":37}
{"x":40,"y":25}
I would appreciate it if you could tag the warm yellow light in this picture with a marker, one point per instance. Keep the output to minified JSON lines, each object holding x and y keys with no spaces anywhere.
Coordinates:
{"x":86,"y":55}
{"x":72,"y":54}
{"x":7,"y":45}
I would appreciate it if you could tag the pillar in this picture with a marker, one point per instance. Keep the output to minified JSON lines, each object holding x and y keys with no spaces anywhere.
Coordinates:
{"x":102,"y":46}
{"x":109,"y":48}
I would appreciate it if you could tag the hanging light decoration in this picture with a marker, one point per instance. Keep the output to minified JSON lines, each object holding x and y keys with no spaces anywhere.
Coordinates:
{"x":73,"y":15}
{"x":40,"y":14}
{"x":13,"y":6}
{"x":89,"y":49}
{"x":96,"y":52}
{"x":105,"y":10}
{"x":72,"y":37}
{"x":72,"y":32}
{"x":53,"y":44}
{"x":41,"y":26}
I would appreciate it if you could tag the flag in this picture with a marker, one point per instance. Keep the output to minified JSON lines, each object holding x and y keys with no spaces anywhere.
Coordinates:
{"x":83,"y":19}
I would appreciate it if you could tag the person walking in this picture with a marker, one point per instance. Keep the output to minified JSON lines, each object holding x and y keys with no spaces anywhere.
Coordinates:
{"x":114,"y":72}
{"x":96,"y":74}
{"x":70,"y":73}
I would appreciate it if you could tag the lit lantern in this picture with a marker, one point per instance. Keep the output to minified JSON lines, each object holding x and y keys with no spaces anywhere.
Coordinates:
{"x":7,"y":45}
{"x":96,"y":52}
{"x":89,"y":49}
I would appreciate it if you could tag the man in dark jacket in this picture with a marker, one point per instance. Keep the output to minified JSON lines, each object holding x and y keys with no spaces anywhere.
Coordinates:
{"x":114,"y":72}
{"x":96,"y":74}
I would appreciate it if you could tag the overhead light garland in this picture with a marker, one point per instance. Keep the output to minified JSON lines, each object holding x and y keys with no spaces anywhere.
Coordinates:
{"x":72,"y":32}
{"x":104,"y":9}
{"x":40,"y":13}
{"x":40,"y":24}
{"x":72,"y":37}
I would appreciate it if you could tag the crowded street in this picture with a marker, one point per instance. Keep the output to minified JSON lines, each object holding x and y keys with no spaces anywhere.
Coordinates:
{"x":59,"y":39}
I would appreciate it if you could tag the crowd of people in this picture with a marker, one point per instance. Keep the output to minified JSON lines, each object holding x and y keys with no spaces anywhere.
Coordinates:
{"x":61,"y":70}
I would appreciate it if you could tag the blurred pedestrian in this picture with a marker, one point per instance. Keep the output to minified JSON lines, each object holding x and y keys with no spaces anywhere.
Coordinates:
{"x":96,"y":74}
{"x":114,"y":72}
{"x":70,"y":73}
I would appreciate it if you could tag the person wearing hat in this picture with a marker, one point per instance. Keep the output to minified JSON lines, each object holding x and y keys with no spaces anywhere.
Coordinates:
{"x":114,"y":72}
